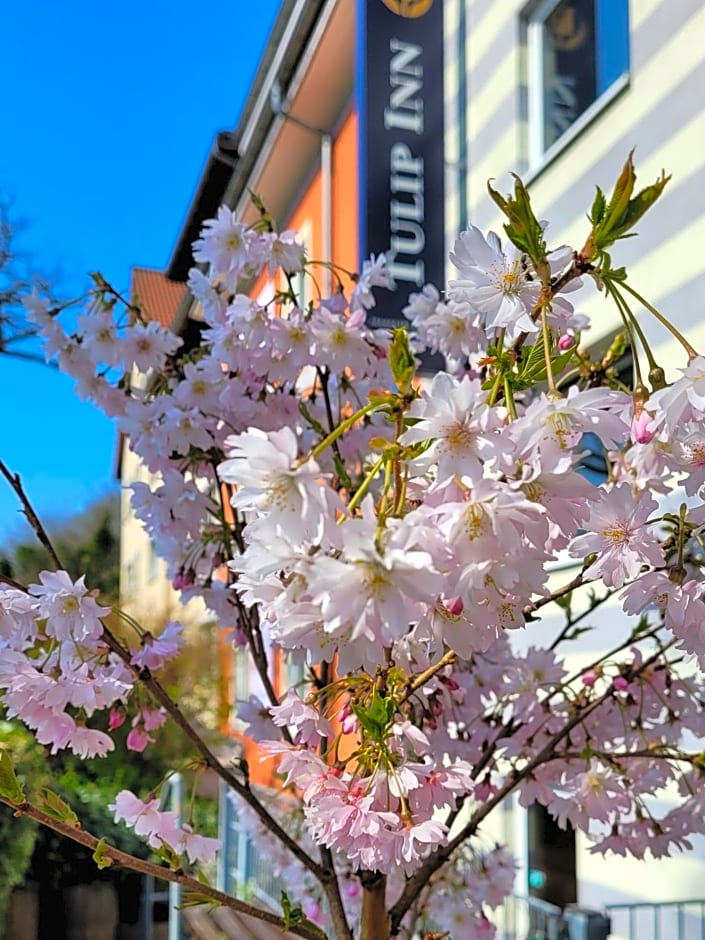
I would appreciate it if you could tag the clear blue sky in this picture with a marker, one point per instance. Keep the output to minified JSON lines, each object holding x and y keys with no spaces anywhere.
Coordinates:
{"x":108,"y":115}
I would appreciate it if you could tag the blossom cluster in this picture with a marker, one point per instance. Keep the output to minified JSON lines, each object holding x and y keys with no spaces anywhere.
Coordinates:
{"x":56,"y":670}
{"x":162,"y":828}
{"x":394,"y":536}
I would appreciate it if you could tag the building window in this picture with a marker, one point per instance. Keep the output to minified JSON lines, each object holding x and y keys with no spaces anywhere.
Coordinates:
{"x":578,"y":58}
{"x":551,"y":862}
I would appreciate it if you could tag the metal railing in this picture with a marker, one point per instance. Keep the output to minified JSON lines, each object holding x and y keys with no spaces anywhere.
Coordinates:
{"x":659,"y":920}
{"x":243,"y":869}
{"x":527,"y":918}
{"x":172,"y":797}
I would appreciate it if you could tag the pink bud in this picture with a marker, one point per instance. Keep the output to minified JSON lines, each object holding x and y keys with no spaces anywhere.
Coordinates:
{"x":153,"y":718}
{"x":117,"y":717}
{"x":138,"y":739}
{"x":352,"y":889}
{"x":620,"y":684}
{"x":313,"y":911}
{"x":454,"y":606}
{"x":566,"y":342}
{"x":345,"y":711}
{"x":589,"y":678}
{"x":350,"y":724}
{"x":640,"y":426}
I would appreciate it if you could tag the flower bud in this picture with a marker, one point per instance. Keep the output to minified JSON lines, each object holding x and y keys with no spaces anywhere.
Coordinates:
{"x":640,"y":426}
{"x":589,"y":678}
{"x":657,"y":378}
{"x":454,"y":606}
{"x":116,"y":717}
{"x":566,"y":342}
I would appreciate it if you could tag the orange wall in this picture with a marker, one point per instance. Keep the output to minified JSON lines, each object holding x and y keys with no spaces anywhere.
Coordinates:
{"x":307,"y":213}
{"x":344,"y":204}
{"x":307,"y":216}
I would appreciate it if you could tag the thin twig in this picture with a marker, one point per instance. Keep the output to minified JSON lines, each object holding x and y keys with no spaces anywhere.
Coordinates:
{"x":14,"y":480}
{"x":547,"y":753}
{"x":125,"y":860}
{"x":209,"y":758}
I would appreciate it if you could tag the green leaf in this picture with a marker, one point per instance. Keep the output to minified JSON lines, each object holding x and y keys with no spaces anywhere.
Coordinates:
{"x":623,"y":189}
{"x":615,"y":221}
{"x":599,"y":204}
{"x":10,"y":787}
{"x":168,"y":855}
{"x":310,"y":420}
{"x":293,"y":916}
{"x":524,"y":230}
{"x":532,"y":357}
{"x":101,"y":857}
{"x":195,"y":899}
{"x":401,"y":361}
{"x":52,"y":804}
{"x":375,"y":719}
{"x":643,"y":626}
{"x":578,"y":631}
{"x":641,"y":203}
{"x":534,"y":363}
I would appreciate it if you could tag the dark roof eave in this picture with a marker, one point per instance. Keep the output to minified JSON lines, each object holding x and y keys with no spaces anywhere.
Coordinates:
{"x":310,"y":13}
{"x":227,"y":170}
{"x":209,"y":194}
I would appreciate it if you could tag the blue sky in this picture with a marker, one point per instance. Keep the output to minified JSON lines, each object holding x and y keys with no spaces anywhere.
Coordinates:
{"x":105,"y":129}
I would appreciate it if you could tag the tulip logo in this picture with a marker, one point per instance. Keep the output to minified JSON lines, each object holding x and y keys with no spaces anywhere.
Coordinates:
{"x":410,"y":9}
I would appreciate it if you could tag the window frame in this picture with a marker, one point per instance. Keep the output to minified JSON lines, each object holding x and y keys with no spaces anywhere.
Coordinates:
{"x":539,"y":156}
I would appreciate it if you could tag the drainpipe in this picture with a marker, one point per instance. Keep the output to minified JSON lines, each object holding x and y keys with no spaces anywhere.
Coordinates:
{"x":326,"y":155}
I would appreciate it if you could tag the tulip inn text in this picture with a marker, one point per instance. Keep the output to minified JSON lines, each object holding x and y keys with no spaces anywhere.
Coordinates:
{"x":405,"y":113}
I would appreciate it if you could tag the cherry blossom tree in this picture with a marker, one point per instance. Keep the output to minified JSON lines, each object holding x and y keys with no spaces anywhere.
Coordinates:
{"x":396,"y":536}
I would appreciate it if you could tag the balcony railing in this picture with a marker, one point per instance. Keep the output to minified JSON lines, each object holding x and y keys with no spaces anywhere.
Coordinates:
{"x":526,"y":918}
{"x":660,"y":920}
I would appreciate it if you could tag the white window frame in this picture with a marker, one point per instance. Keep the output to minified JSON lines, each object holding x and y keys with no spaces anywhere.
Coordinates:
{"x":539,"y":156}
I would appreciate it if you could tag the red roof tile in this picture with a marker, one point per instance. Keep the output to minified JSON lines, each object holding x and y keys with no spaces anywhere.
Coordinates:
{"x":158,"y":297}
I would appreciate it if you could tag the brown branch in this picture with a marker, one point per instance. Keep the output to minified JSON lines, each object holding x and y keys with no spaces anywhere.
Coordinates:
{"x":577,"y":582}
{"x":12,"y":583}
{"x":162,"y":696}
{"x":209,"y":758}
{"x":413,"y":684}
{"x":439,"y":858}
{"x":125,"y":860}
{"x":374,"y":919}
{"x":579,"y":266}
{"x":339,"y":920}
{"x":14,"y":480}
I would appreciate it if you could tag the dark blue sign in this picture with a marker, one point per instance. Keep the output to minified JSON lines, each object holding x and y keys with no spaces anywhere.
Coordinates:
{"x":400,"y":108}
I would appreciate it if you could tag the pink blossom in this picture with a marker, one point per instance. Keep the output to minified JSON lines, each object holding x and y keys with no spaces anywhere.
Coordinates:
{"x":138,"y":739}
{"x":618,"y":533}
{"x":156,"y":651}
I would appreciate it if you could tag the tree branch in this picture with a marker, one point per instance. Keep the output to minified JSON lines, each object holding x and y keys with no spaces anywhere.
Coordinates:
{"x":420,"y":877}
{"x":125,"y":860}
{"x":14,"y":480}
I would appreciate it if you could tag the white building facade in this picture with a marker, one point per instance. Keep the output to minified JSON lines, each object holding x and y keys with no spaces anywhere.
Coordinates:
{"x":559,"y":92}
